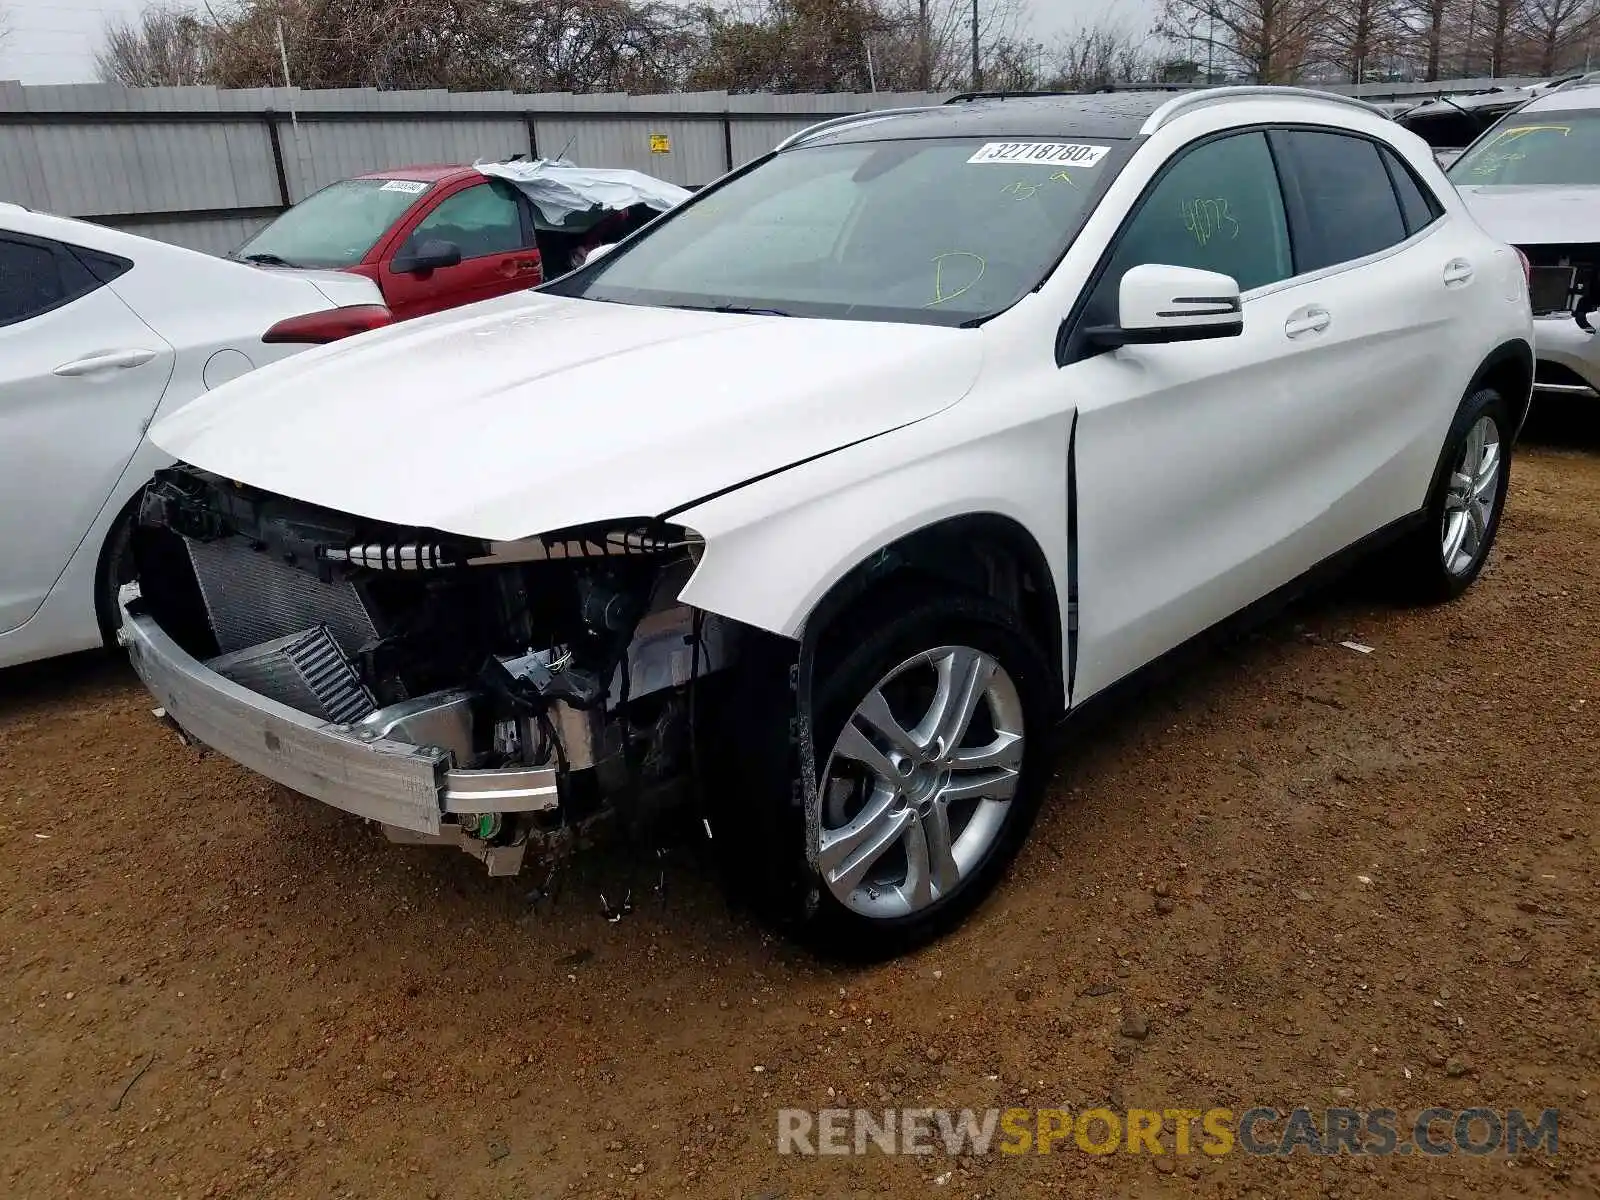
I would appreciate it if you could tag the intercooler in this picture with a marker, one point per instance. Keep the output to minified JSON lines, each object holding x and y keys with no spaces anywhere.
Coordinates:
{"x":282,"y":632}
{"x":305,"y":670}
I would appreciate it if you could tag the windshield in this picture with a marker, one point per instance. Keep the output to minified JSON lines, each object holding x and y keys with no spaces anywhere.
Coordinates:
{"x":942,"y":231}
{"x":1541,"y":147}
{"x":334,"y":227}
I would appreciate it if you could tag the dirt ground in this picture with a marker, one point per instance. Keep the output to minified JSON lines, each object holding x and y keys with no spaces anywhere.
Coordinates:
{"x":1321,"y":878}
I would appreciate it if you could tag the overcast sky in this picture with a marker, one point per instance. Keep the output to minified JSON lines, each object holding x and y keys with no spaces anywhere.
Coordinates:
{"x":54,"y":41}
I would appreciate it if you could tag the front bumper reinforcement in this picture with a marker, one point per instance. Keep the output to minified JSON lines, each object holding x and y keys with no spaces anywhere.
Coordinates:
{"x":393,"y":782}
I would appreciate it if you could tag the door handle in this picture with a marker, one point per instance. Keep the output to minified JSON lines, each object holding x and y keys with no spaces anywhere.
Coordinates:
{"x":1310,"y":320}
{"x":518,"y":266}
{"x":106,"y":360}
{"x":1457,"y":272}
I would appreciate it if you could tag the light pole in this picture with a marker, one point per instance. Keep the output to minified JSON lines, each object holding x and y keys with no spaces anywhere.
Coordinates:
{"x":925,"y":71}
{"x":977,"y":70}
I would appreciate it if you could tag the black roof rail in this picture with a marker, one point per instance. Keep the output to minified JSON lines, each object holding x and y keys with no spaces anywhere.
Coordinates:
{"x":968,"y":97}
{"x":1150,"y":87}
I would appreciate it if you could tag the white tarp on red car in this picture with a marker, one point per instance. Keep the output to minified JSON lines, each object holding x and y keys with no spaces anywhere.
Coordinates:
{"x":558,"y":188}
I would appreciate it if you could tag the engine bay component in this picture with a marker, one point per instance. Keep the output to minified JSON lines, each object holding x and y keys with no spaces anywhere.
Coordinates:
{"x":305,"y":670}
{"x":442,"y":719}
{"x":251,"y":597}
{"x":380,"y":557}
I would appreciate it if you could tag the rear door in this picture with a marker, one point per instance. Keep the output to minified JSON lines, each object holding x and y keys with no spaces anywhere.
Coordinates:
{"x":80,"y":377}
{"x":1401,"y":288}
{"x":491,"y":224}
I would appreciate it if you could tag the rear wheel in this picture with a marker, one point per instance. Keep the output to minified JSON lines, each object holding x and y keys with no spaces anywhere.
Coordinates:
{"x":1444,"y":555}
{"x":930,"y":767}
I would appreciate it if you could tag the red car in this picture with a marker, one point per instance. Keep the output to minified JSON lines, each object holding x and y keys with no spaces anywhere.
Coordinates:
{"x":431,"y":237}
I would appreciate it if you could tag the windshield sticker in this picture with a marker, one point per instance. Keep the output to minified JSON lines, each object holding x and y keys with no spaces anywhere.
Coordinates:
{"x":403,"y":185}
{"x":1066,"y":154}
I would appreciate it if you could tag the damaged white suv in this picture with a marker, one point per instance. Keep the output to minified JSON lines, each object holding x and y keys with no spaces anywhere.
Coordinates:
{"x":818,"y":501}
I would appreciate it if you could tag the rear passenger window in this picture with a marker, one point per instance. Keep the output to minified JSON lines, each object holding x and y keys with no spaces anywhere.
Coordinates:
{"x":1218,"y":208}
{"x":36,"y":276}
{"x":1419,"y":206}
{"x":1351,"y":207}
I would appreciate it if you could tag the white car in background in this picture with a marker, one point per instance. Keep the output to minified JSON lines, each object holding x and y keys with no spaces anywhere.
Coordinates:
{"x":100,"y":332}
{"x":1533,"y":180}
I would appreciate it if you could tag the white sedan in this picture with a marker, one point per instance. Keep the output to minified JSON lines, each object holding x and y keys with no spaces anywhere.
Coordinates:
{"x":101,"y":331}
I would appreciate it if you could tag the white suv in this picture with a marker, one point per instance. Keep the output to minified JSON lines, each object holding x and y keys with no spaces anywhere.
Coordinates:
{"x":817,"y":502}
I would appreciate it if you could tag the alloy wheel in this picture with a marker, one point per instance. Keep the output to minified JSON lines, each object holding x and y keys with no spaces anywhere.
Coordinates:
{"x":1470,"y":498}
{"x":919,"y":782}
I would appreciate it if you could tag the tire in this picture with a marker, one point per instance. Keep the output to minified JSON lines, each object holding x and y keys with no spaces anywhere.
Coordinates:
{"x":1440,"y":559}
{"x":865,"y":906}
{"x":116,"y":568}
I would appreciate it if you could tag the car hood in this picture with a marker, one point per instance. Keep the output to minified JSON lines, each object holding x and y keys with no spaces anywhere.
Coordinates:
{"x":533,"y":413}
{"x":1536,"y":214}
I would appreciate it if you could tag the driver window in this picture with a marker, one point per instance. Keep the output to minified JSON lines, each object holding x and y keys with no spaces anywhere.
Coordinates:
{"x":1218,"y":208}
{"x":482,"y":219}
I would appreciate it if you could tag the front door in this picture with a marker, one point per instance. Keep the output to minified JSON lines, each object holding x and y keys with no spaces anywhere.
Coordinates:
{"x":491,"y":225}
{"x":80,"y":378}
{"x":1197,"y":471}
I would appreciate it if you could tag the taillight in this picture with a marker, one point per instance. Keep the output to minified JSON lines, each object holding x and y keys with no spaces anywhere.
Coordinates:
{"x":1527,"y":267}
{"x":329,"y":325}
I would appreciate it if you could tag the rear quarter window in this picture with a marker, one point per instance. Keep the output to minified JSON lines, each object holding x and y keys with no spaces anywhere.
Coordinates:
{"x":1418,"y":205}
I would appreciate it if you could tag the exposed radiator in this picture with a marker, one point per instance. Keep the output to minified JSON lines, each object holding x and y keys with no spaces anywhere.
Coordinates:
{"x":251,"y":598}
{"x":305,"y":670}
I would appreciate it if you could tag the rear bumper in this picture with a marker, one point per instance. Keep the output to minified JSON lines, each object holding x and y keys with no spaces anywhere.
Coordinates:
{"x":399,"y":784}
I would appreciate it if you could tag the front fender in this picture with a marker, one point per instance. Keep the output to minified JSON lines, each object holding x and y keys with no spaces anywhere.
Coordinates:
{"x":774,"y":548}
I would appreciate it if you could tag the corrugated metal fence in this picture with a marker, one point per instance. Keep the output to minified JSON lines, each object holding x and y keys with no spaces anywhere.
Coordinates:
{"x":205,"y":168}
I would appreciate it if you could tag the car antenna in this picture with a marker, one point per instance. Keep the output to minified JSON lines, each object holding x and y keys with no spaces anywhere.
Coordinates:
{"x":564,"y":149}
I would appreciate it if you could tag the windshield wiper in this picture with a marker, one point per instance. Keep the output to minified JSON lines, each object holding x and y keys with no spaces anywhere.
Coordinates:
{"x":743,"y":310}
{"x":267,"y":260}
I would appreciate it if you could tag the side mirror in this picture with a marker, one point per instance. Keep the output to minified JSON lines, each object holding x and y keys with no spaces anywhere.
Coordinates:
{"x":1157,"y":303}
{"x":430,"y":256}
{"x":598,"y":252}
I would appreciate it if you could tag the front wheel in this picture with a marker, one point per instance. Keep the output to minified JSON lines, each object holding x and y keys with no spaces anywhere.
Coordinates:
{"x":931,"y":740}
{"x":116,"y":567}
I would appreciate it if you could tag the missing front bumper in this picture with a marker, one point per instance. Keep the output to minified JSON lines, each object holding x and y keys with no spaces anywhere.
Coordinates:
{"x":353,"y":767}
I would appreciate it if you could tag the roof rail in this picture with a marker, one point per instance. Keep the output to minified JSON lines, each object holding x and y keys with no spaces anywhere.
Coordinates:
{"x":1587,"y":79}
{"x":840,"y":122}
{"x":969,"y":97}
{"x":1202,"y":96}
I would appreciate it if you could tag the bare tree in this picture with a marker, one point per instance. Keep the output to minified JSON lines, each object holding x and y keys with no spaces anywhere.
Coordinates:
{"x":1357,"y":33}
{"x":1093,"y":56}
{"x":1555,"y":27}
{"x":798,"y":46}
{"x":1426,"y":27}
{"x":1269,"y":41}
{"x":165,"y":46}
{"x":860,"y":45}
{"x":1501,"y":21}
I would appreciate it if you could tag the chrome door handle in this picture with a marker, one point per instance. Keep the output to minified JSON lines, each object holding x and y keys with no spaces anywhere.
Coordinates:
{"x":1311,"y":320}
{"x":1457,"y":272}
{"x":108,"y":360}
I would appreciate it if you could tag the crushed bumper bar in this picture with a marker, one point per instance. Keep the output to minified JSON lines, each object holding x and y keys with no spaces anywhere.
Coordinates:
{"x":399,"y":784}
